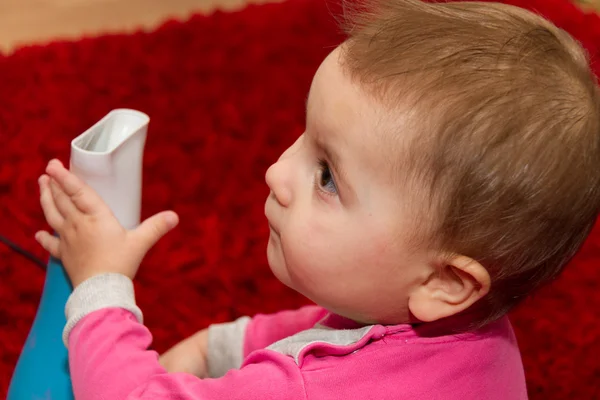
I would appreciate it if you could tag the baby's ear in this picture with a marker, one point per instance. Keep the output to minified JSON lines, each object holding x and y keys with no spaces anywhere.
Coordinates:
{"x":450,"y":289}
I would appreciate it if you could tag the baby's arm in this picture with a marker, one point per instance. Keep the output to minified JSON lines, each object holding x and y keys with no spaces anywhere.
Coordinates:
{"x":109,"y":357}
{"x":188,"y":356}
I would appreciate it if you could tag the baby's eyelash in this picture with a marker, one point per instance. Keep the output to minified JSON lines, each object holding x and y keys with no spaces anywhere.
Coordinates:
{"x":323,"y":167}
{"x":323,"y":164}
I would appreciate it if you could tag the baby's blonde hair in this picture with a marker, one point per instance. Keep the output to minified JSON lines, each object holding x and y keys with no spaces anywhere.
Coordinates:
{"x":508,"y":131}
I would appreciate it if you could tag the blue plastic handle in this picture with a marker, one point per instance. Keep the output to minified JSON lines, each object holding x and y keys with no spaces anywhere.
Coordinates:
{"x":42,"y":371}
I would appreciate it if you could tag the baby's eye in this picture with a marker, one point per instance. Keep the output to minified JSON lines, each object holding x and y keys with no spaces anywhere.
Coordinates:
{"x":324,"y":179}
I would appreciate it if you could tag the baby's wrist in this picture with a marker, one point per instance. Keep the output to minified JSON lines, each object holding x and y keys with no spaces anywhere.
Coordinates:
{"x":78,"y":279}
{"x":80,"y":275}
{"x":201,"y":343}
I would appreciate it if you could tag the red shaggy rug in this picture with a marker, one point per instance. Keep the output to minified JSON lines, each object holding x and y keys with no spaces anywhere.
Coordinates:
{"x":226,"y":95}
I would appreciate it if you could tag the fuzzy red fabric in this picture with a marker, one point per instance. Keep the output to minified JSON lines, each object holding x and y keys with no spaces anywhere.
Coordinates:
{"x":226,"y":95}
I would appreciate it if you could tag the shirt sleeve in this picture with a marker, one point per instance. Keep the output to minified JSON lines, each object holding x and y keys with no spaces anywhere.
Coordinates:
{"x":230,"y":343}
{"x":109,"y":356}
{"x":109,"y":359}
{"x":265,"y":329}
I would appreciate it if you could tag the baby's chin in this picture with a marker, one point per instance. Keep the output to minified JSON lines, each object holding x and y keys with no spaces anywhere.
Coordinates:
{"x":277,"y":262}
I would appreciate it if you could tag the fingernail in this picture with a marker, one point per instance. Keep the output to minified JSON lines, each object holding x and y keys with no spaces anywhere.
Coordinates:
{"x":54,"y":161}
{"x":171,"y":219}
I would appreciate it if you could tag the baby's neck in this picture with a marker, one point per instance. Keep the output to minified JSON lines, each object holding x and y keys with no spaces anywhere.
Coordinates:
{"x":455,"y":324}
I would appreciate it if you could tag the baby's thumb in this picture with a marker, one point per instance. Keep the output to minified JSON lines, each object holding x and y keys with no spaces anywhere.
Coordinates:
{"x":154,"y":228}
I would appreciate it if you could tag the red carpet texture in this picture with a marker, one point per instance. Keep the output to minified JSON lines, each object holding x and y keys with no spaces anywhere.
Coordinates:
{"x":226,"y":95}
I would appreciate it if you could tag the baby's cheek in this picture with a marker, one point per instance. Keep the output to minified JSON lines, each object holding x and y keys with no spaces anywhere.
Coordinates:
{"x":310,"y":251}
{"x":340,"y":247}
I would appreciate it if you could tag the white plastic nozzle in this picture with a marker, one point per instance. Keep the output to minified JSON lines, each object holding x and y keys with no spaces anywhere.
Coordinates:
{"x":109,"y":156}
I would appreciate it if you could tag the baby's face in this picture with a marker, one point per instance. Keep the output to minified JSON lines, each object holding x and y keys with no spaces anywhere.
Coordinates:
{"x":339,"y":226}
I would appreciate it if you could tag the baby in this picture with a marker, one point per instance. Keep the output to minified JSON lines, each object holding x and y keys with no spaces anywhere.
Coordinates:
{"x":449,"y":167}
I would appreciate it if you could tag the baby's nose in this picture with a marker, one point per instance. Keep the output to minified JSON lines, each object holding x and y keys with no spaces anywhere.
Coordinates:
{"x":278,"y":181}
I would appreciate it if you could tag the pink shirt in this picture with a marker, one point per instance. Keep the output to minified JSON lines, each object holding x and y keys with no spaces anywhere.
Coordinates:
{"x":303,"y":354}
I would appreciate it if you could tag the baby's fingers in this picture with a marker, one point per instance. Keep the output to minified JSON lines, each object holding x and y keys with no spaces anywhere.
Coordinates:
{"x":50,"y":243}
{"x":63,"y":202}
{"x":53,"y":216}
{"x":84,"y":197}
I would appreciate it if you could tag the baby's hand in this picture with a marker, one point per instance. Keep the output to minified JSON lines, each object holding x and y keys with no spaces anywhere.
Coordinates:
{"x":91,"y":241}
